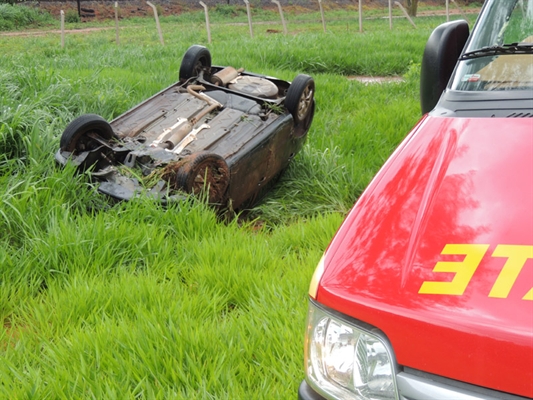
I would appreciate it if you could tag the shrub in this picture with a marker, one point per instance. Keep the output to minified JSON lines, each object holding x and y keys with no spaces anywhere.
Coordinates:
{"x":19,"y":16}
{"x":229,"y":11}
{"x":72,"y":16}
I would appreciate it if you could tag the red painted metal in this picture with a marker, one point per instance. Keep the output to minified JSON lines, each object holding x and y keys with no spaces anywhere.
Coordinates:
{"x":466,"y":181}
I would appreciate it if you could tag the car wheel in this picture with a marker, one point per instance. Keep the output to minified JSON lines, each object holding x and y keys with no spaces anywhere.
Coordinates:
{"x":204,"y":171}
{"x":196,"y":59}
{"x":300,"y":102}
{"x":82,"y":134}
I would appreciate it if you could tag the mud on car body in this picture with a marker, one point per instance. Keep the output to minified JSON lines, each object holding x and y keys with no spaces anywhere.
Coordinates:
{"x":221,"y":131}
{"x":426,"y":290}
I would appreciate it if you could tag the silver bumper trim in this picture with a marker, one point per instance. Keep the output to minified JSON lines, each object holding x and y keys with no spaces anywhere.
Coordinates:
{"x":423,"y":387}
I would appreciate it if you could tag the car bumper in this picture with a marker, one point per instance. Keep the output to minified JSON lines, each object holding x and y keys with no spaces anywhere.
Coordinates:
{"x":305,"y":392}
{"x":413,"y":385}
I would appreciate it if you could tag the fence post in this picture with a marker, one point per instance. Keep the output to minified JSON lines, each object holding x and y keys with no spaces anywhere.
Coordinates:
{"x":461,"y":11}
{"x":249,"y":17}
{"x":157,"y":23}
{"x":360,"y":15}
{"x":207,"y":21}
{"x":390,"y":14}
{"x":405,"y":13}
{"x":447,"y":10}
{"x":116,"y":22}
{"x":322,"y":14}
{"x":62,"y":13}
{"x":281,"y":15}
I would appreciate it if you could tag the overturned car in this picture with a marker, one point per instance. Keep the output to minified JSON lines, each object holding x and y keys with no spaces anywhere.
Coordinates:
{"x":220,"y":131}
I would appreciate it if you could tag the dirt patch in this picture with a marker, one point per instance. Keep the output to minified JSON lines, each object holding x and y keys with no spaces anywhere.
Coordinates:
{"x":97,"y":11}
{"x":375,"y":79}
{"x":11,"y":335}
{"x":103,"y":10}
{"x":43,"y":33}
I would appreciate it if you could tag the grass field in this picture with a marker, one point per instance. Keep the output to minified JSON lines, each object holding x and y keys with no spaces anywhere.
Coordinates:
{"x":133,"y":300}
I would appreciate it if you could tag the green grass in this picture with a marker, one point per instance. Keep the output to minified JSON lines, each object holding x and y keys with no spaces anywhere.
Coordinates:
{"x":135,"y":300}
{"x":17,"y":17}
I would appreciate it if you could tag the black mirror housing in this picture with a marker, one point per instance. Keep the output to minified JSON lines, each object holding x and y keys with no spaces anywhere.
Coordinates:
{"x":442,"y":50}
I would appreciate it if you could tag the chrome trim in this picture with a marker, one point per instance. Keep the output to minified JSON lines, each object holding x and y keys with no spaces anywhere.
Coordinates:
{"x":423,"y":387}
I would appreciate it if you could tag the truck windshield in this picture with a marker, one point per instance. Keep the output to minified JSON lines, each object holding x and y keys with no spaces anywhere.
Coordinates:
{"x":499,"y":55}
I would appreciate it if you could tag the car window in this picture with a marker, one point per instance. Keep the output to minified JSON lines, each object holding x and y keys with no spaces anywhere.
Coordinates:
{"x":519,"y":26}
{"x":498,"y":55}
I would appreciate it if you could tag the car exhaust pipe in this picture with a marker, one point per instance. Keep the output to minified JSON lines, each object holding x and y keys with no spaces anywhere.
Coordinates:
{"x":183,"y":130}
{"x":177,"y":136}
{"x":225,"y":76}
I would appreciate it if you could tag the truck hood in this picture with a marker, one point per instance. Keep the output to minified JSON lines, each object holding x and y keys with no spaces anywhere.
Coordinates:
{"x":438,"y":252}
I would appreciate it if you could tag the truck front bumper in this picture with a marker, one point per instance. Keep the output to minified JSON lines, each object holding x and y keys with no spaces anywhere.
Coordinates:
{"x":306,"y":392}
{"x":416,"y":385}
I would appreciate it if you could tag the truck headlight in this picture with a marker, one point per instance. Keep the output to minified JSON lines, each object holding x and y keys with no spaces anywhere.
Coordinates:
{"x":347,"y":361}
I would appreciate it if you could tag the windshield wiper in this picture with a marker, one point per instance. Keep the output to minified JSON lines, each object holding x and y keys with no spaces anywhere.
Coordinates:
{"x":511,"y":48}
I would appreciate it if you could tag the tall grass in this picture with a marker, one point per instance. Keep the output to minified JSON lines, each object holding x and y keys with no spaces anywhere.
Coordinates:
{"x":137,"y":300}
{"x":18,"y":17}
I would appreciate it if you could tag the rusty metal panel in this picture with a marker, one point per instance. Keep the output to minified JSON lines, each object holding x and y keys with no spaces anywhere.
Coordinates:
{"x":150,"y":118}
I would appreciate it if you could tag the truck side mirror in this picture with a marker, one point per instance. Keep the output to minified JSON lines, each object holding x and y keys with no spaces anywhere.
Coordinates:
{"x":442,"y":50}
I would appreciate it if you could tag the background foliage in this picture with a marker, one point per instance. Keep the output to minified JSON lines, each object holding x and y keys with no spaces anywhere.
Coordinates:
{"x":136,"y":300}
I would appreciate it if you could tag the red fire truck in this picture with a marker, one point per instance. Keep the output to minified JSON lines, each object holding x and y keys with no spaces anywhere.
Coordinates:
{"x":426,"y":290}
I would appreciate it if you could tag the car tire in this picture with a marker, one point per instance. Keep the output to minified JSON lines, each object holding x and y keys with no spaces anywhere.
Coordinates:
{"x":195,"y":59}
{"x":76,"y":137}
{"x":300,"y":102}
{"x":204,"y":171}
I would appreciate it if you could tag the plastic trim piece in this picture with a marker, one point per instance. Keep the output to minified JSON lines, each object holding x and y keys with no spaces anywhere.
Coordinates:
{"x":417,"y":385}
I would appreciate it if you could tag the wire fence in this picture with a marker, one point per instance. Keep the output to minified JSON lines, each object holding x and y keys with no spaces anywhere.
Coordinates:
{"x":390,"y":4}
{"x":194,"y":4}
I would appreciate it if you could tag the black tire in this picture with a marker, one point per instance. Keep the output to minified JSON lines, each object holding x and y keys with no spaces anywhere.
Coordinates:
{"x":76,"y":137}
{"x":300,"y":102}
{"x":195,"y":59}
{"x":204,"y":171}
